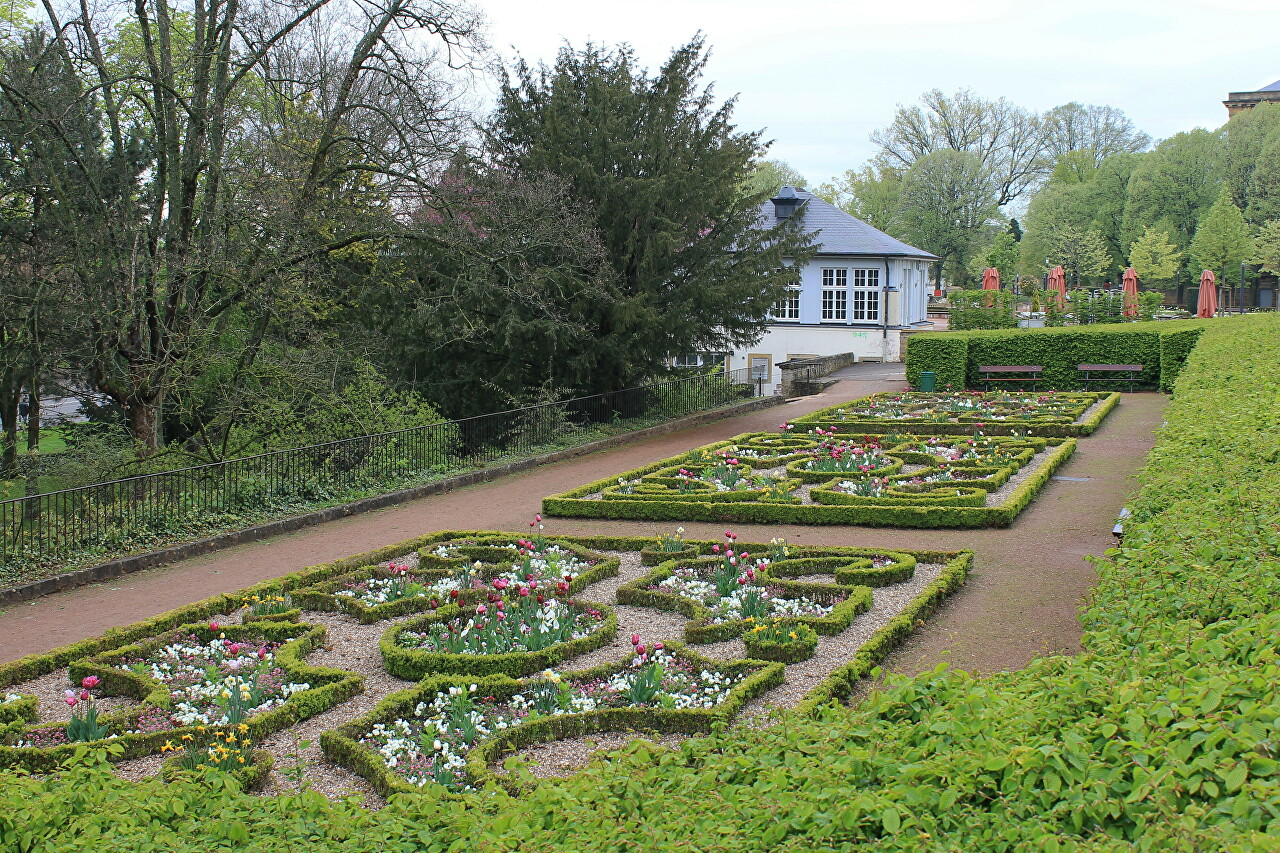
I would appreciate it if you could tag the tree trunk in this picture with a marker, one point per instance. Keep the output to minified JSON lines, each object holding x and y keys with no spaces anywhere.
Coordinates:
{"x":9,"y":436}
{"x":144,"y":423}
{"x":33,"y":418}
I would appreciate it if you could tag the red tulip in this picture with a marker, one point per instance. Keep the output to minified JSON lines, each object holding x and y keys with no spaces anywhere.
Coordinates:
{"x":84,"y":695}
{"x":635,"y":639}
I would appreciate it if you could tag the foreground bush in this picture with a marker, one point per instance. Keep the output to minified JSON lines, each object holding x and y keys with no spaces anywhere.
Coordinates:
{"x":1163,"y":736}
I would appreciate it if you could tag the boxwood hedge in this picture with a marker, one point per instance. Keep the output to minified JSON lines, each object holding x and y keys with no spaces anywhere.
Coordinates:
{"x":1161,"y":347}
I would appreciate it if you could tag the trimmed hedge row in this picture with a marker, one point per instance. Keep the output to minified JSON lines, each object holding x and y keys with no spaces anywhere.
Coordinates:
{"x":415,"y":664}
{"x":574,"y":504}
{"x":1160,"y":346}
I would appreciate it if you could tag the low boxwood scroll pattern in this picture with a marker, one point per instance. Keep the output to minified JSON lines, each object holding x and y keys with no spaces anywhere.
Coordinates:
{"x":903,"y":503}
{"x":1048,"y":415}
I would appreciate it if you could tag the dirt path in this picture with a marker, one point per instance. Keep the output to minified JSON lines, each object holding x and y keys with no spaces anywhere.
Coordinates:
{"x":1022,"y":599}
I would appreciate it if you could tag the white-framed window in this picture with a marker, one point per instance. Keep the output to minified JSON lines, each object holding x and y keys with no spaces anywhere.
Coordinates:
{"x":788,"y":307}
{"x":687,"y":360}
{"x":864,"y":296}
{"x":835,"y":294}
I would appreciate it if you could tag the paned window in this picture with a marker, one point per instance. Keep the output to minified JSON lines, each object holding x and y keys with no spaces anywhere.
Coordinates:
{"x":835,"y":294}
{"x":788,"y":307}
{"x":864,"y":296}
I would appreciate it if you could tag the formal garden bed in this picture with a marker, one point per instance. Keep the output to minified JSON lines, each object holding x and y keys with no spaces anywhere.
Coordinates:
{"x":434,"y":660}
{"x":1050,"y":414}
{"x":823,"y":475}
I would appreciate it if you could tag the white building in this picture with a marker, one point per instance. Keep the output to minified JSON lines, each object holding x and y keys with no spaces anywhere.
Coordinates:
{"x":858,"y":294}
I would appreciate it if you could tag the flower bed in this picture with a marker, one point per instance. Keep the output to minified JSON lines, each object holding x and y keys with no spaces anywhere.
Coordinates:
{"x":955,"y":413}
{"x":180,"y":669}
{"x":726,"y":594}
{"x":456,"y":571}
{"x":448,"y":731}
{"x":513,"y":635}
{"x":927,"y":497}
{"x":201,"y":675}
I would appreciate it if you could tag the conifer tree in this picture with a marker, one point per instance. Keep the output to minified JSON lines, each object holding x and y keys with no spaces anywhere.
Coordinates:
{"x":663,"y":169}
{"x":1154,"y":258}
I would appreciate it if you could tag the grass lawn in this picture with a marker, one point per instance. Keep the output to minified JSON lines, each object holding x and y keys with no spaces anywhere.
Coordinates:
{"x":51,"y":441}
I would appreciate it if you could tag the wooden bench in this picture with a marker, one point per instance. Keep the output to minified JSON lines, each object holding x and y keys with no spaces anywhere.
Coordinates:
{"x":1129,"y":373}
{"x":1022,"y":373}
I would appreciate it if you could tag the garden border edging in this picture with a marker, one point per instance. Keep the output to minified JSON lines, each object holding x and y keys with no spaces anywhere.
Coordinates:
{"x":127,"y":565}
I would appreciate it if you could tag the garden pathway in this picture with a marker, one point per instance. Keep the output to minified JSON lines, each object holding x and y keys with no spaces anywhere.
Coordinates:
{"x":1022,"y":598}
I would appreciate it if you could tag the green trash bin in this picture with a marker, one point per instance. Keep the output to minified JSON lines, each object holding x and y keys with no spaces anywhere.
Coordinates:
{"x":928,"y":381}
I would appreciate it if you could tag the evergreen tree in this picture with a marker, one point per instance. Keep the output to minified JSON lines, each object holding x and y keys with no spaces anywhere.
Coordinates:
{"x":1015,"y":230}
{"x":1222,"y":240}
{"x":662,"y":168}
{"x":1266,"y":248}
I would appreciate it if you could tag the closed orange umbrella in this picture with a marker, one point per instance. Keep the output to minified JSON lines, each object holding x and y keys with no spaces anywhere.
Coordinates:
{"x":1130,"y":292}
{"x":1058,"y":286}
{"x":991,"y":279}
{"x":1207,"y":305}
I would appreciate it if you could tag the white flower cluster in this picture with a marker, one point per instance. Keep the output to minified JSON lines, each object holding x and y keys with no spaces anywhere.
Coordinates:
{"x":10,"y":697}
{"x":552,"y":562}
{"x":730,"y":607}
{"x":399,"y":748}
{"x":381,"y":590}
{"x":195,"y":666}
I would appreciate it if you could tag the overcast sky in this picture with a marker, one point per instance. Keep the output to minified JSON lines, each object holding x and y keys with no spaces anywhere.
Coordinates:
{"x":820,"y":75}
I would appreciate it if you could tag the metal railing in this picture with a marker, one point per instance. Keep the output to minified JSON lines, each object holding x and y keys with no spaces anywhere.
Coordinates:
{"x":126,"y":514}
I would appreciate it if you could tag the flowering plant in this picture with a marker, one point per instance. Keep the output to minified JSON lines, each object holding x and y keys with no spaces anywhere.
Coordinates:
{"x":671,"y":543}
{"x":84,"y":724}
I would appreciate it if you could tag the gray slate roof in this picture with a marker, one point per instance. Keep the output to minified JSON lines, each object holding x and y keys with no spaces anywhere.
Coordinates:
{"x":1274,"y":87}
{"x":842,"y":234}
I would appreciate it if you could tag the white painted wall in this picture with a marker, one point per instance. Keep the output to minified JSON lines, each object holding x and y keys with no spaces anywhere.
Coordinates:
{"x":811,"y":336}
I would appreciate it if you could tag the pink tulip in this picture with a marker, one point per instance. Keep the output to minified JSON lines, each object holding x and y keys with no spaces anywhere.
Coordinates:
{"x":501,"y":616}
{"x":262,"y":654}
{"x":537,"y":516}
{"x":635,"y":639}
{"x":84,"y":695}
{"x":481,"y":609}
{"x":640,"y":649}
{"x":524,"y":592}
{"x":715,"y":549}
{"x":90,"y":681}
{"x":213,"y":626}
{"x":71,"y":700}
{"x":657,"y":647}
{"x":234,"y":648}
{"x":500,"y":583}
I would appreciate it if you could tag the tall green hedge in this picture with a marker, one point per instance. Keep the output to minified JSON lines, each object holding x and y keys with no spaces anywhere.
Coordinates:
{"x":1163,"y":735}
{"x":1160,"y":347}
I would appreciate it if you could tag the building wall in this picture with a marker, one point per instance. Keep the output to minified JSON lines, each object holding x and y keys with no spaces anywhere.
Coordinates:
{"x":810,"y":335}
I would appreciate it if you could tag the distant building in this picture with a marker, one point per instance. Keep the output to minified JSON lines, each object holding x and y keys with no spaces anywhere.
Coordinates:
{"x":860,"y":293}
{"x":1238,"y":102}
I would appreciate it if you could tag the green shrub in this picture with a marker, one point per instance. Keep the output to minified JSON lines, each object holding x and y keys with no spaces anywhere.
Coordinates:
{"x":1058,"y":350}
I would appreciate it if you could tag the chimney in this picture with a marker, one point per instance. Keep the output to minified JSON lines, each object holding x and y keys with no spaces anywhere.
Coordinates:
{"x":785,"y":203}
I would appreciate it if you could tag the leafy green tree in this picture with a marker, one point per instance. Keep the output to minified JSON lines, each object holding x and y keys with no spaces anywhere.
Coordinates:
{"x":1007,"y":140}
{"x":1092,"y":132}
{"x":1155,"y":259}
{"x":1001,"y":253}
{"x":1081,"y":252}
{"x":1222,"y":241}
{"x":207,"y":192}
{"x":1266,"y":247}
{"x":769,"y":176}
{"x":1251,"y":145}
{"x":1056,"y":206}
{"x":948,"y":198}
{"x":1174,"y":186}
{"x":661,"y":167}
{"x":871,"y":194}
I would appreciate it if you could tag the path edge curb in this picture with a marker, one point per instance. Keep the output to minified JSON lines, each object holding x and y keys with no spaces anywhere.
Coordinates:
{"x":127,"y":565}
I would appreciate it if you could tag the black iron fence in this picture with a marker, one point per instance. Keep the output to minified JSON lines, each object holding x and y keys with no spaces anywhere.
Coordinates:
{"x":105,"y":518}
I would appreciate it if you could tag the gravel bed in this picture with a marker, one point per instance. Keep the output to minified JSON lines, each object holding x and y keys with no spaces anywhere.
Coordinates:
{"x":51,"y":690}
{"x":835,"y":651}
{"x":565,"y":757}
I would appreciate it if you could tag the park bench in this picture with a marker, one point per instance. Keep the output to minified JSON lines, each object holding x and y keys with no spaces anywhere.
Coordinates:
{"x":1022,"y":373}
{"x":1129,"y":373}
